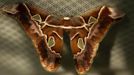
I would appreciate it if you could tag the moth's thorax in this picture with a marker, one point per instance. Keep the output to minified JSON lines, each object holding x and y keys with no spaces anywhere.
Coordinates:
{"x":64,"y":22}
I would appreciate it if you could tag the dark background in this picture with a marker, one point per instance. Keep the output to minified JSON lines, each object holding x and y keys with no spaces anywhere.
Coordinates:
{"x":114,"y":57}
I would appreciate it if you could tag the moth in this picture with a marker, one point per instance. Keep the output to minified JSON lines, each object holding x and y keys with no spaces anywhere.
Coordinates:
{"x":46,"y":32}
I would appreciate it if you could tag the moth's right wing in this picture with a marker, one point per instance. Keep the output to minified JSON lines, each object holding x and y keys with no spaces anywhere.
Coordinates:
{"x":30,"y":18}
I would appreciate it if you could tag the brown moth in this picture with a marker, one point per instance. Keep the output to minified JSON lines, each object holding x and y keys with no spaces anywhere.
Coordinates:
{"x":46,"y":31}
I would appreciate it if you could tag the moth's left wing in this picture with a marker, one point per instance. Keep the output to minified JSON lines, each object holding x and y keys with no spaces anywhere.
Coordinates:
{"x":97,"y":24}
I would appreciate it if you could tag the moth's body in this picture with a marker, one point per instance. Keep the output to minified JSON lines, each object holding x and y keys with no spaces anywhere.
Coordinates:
{"x":46,"y":31}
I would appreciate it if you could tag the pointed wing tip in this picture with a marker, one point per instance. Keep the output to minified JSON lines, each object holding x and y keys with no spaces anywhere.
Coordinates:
{"x":116,"y":14}
{"x":9,"y":9}
{"x":12,"y":9}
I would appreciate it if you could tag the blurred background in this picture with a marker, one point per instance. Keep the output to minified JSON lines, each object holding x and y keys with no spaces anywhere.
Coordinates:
{"x":115,"y":55}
